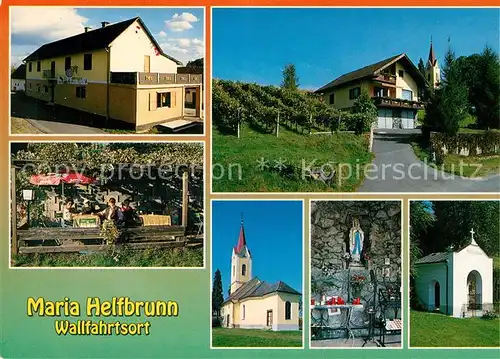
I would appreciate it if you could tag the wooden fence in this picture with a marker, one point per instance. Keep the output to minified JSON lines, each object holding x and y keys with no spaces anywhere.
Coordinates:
{"x":71,"y":239}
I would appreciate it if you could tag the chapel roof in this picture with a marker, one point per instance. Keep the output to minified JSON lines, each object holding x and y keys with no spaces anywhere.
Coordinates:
{"x":256,"y":288}
{"x":433,"y":258}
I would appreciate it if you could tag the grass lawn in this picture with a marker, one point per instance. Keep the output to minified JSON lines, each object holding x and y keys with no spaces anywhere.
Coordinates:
{"x":22,"y":126}
{"x":234,"y":337}
{"x":236,"y":167}
{"x":438,"y":330}
{"x":174,"y":257}
{"x":468,"y":166}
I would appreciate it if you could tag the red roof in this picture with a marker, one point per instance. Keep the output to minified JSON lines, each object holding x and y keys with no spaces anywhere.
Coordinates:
{"x":241,"y":240}
{"x":432,"y":57}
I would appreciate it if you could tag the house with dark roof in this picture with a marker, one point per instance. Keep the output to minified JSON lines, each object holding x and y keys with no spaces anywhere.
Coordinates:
{"x":18,"y":79}
{"x":457,"y":282}
{"x":393,"y":83}
{"x":256,"y":304}
{"x":117,"y":71}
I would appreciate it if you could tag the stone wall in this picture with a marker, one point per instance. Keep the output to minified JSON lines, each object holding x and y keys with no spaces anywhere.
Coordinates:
{"x":331,"y":222}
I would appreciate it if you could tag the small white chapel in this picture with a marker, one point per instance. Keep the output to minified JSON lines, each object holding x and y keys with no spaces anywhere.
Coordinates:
{"x":458,"y":282}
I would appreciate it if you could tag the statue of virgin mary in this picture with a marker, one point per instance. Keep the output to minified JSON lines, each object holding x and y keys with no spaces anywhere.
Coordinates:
{"x":356,"y":238}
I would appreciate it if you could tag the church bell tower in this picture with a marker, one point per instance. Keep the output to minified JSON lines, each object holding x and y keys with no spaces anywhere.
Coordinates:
{"x":241,"y":262}
{"x":432,"y":70}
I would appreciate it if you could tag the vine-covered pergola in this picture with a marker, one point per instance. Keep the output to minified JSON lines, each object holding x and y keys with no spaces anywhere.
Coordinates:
{"x":169,"y":167}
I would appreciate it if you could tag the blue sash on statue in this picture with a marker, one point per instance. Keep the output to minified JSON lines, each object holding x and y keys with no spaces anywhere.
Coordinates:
{"x":357,"y":243}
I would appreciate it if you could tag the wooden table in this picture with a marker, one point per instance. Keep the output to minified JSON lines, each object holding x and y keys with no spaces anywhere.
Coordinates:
{"x":155,"y":220}
{"x":86,"y":221}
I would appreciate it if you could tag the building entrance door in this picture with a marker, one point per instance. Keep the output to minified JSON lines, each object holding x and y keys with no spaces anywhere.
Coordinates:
{"x":269,"y":321}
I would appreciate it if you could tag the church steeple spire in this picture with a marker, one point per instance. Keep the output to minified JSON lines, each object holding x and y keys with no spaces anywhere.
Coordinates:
{"x":432,"y":70}
{"x":241,"y":238}
{"x":432,"y":56}
{"x":241,"y":261}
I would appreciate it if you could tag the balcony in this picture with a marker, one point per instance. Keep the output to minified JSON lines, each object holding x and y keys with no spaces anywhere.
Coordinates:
{"x":49,"y":74}
{"x":386,"y":78}
{"x":397,"y":102}
{"x":155,"y":78}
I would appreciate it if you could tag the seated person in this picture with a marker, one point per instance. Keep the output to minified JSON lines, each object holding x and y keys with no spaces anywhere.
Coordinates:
{"x":128,"y":213}
{"x":87,"y":208}
{"x":112,"y":212}
{"x":68,"y":211}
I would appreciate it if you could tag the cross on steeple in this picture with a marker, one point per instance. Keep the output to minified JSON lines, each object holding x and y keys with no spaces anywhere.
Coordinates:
{"x":472,"y":241}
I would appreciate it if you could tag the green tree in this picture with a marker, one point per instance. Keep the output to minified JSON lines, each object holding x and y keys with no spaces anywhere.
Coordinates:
{"x":480,"y":73}
{"x":290,"y":79}
{"x":365,"y":112}
{"x":421,"y":67}
{"x":486,"y":90}
{"x":217,"y":296}
{"x":421,"y":220}
{"x":448,"y":105}
{"x":195,"y":63}
{"x":455,"y":219}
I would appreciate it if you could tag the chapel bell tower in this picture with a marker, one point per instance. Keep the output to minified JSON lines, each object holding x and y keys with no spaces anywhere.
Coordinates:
{"x":432,"y":70}
{"x":241,"y":262}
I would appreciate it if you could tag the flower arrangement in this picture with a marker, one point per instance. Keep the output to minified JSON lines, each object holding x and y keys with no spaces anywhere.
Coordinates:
{"x":110,"y":232}
{"x":357,"y":282}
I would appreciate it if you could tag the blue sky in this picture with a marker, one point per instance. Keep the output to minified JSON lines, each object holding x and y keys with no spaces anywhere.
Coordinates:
{"x":178,"y":30}
{"x":254,"y":44}
{"x":274,"y":235}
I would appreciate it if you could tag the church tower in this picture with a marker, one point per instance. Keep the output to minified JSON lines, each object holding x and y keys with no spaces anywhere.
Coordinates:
{"x":432,"y":70}
{"x":241,"y":262}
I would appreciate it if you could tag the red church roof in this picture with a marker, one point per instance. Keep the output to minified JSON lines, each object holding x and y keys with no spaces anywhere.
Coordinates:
{"x":241,"y":240}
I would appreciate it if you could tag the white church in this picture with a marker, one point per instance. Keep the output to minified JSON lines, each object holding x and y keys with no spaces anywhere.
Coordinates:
{"x":457,"y":283}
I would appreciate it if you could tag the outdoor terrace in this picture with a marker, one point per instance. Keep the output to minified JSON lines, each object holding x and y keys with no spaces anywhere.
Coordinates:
{"x":154,"y":78}
{"x":396,"y":102}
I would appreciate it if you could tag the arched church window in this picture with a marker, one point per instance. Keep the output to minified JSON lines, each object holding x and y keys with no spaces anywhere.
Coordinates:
{"x":243,"y":312}
{"x":288,"y":310}
{"x":244,"y":269}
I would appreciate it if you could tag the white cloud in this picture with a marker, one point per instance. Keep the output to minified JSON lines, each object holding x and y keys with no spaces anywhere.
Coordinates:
{"x":33,"y":26}
{"x":185,"y":16}
{"x":184,"y":49}
{"x":178,"y":26}
{"x":181,"y":22}
{"x":162,"y":34}
{"x":43,"y":24}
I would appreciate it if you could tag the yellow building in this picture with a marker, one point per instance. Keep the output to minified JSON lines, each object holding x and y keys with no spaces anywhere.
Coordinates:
{"x":256,"y":304}
{"x":394,"y":85}
{"x":118,"y":71}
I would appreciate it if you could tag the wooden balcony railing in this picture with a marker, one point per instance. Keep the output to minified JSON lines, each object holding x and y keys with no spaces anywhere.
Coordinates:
{"x":155,"y":78}
{"x":397,"y":102}
{"x":388,"y":78}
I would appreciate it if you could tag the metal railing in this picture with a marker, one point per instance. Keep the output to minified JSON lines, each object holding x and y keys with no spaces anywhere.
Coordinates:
{"x":154,"y":78}
{"x":397,"y":102}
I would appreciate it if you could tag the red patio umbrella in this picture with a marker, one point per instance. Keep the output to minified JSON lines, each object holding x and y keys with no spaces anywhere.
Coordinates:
{"x":54,"y":179}
{"x":77,"y":178}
